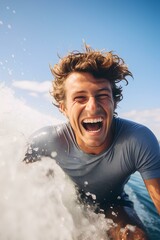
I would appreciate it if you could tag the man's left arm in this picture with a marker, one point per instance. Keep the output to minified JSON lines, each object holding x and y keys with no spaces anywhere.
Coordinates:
{"x":153,"y":187}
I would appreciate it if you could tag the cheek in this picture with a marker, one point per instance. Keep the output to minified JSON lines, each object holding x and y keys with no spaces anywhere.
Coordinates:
{"x":108,"y":108}
{"x":111,"y":106}
{"x":74,"y":114}
{"x":70,"y":113}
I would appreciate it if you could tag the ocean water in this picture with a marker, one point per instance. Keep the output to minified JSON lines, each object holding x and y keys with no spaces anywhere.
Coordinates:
{"x":144,"y":205}
{"x":37,"y":200}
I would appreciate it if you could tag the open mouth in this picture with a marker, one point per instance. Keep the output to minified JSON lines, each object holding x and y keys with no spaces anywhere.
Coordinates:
{"x":93,"y":125}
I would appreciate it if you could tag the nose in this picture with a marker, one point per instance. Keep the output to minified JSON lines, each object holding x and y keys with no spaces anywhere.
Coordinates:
{"x":92,"y":105}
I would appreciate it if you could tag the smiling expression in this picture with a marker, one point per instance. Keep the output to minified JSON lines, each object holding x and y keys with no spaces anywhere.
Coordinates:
{"x":89,"y":106}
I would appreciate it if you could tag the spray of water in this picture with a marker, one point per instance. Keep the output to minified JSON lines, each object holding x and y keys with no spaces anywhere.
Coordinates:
{"x":37,"y":201}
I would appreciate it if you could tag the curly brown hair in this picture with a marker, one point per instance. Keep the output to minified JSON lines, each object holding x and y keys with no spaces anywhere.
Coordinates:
{"x":98,"y":63}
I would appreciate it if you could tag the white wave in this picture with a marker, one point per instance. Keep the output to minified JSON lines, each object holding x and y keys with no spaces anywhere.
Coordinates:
{"x":37,"y":200}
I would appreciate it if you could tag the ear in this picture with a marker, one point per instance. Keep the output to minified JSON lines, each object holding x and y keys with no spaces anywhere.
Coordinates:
{"x":63,"y":109}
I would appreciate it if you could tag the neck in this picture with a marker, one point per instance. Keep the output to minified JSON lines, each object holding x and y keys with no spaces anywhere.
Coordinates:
{"x":95,"y":150}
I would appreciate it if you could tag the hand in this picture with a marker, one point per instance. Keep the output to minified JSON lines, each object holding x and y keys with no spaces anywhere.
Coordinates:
{"x":130,"y":232}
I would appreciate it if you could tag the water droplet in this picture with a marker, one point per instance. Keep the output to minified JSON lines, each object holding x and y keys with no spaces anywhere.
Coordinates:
{"x":53,"y":154}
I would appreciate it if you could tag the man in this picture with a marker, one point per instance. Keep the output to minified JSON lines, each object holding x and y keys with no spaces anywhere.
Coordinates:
{"x":98,"y":150}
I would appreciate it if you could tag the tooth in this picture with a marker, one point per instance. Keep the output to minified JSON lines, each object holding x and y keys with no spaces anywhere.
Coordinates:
{"x":92,"y":120}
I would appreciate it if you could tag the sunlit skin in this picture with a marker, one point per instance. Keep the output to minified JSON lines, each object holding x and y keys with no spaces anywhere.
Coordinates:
{"x":88,"y":99}
{"x":153,"y":186}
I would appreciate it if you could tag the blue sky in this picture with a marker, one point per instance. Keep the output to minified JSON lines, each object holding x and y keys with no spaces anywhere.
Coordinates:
{"x":32,"y":33}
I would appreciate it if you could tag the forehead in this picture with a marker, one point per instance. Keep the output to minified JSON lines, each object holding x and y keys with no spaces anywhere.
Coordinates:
{"x":85,"y":82}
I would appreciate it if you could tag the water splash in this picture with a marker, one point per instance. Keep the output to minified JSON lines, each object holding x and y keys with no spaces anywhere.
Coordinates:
{"x":38,"y":201}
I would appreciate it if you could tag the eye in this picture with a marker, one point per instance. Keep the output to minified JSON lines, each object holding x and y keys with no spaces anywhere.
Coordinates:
{"x":102,"y":96}
{"x":80,"y":99}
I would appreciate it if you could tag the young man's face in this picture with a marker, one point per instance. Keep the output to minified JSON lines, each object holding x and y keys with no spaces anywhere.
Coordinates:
{"x":89,"y":106}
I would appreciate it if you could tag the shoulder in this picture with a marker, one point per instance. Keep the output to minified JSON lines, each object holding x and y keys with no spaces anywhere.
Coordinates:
{"x":48,"y":133}
{"x":136,"y":138}
{"x":45,"y":141}
{"x":42,"y":133}
{"x":128,"y":124}
{"x":134,"y":131}
{"x":142,"y":146}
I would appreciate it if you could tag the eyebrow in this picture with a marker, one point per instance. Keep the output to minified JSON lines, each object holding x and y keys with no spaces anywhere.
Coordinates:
{"x":105,"y":89}
{"x":98,"y":90}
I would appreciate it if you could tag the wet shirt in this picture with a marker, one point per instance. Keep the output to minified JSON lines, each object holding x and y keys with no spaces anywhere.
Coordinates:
{"x":103,"y":176}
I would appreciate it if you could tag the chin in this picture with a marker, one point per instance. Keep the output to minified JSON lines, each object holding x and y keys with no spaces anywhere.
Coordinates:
{"x":93,"y":145}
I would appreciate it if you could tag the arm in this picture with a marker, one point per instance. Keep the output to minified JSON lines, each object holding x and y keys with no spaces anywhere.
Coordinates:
{"x":153,"y":187}
{"x":126,"y":224}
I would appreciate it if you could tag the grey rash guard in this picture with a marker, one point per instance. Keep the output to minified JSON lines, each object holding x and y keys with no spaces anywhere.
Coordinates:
{"x":134,"y":148}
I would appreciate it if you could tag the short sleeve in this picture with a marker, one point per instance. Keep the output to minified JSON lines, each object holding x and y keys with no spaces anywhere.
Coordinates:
{"x":147,"y":154}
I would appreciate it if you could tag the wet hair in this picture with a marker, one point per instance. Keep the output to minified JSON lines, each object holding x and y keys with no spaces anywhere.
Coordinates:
{"x":100,"y":64}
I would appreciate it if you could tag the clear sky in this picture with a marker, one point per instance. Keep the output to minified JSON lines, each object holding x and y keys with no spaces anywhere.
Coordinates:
{"x":32,"y":33}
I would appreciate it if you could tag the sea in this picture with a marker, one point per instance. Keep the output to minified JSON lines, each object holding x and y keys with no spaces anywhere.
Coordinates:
{"x":38,"y":201}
